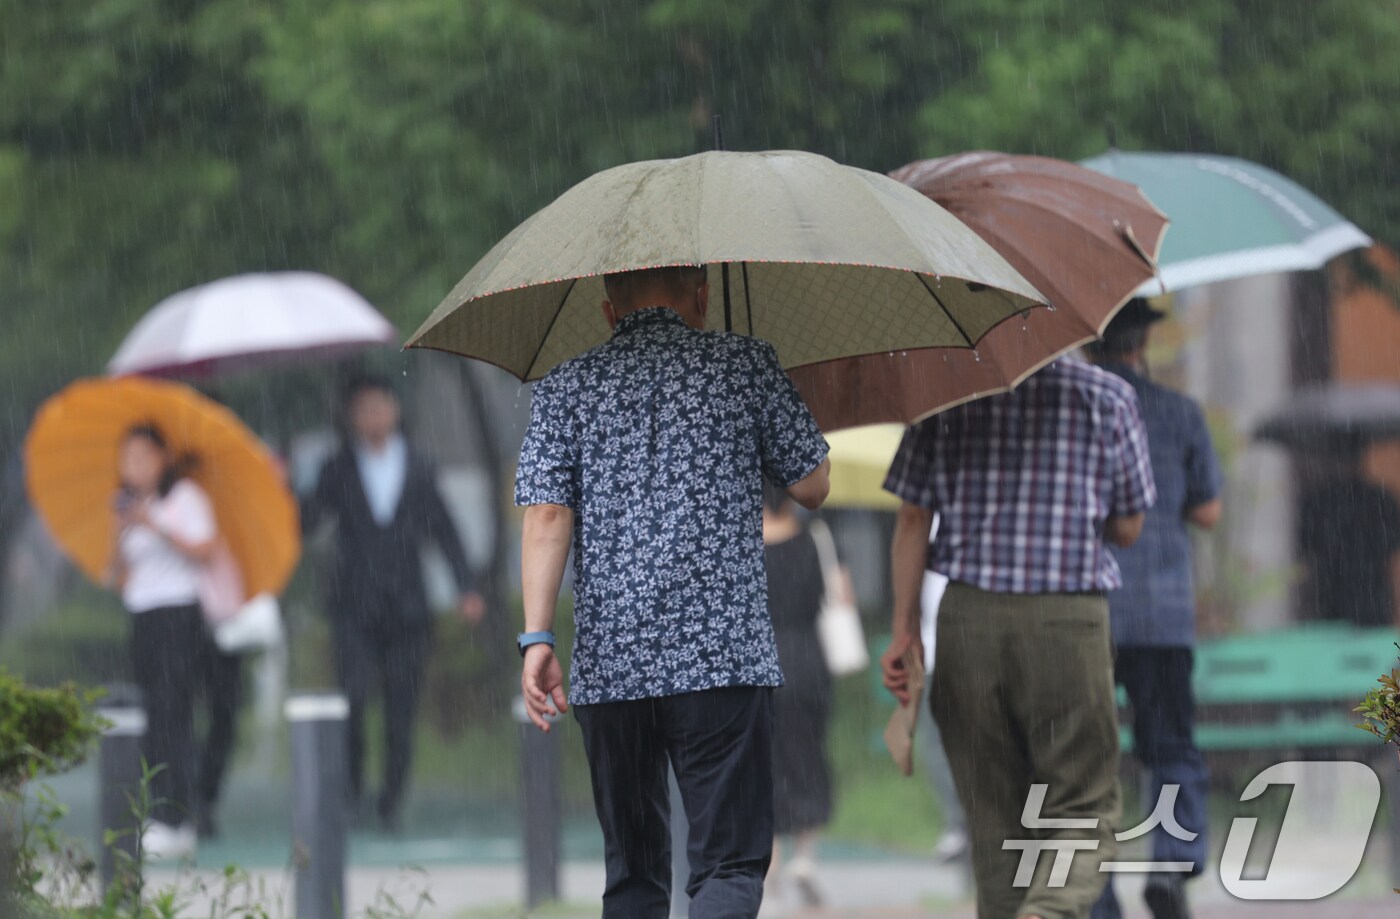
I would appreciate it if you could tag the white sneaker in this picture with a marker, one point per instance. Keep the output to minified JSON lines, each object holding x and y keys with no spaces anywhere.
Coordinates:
{"x":952,"y":845}
{"x":161,"y":841}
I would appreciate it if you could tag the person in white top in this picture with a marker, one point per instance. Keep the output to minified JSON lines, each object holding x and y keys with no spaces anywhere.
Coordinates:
{"x":165,"y":532}
{"x":952,"y":843}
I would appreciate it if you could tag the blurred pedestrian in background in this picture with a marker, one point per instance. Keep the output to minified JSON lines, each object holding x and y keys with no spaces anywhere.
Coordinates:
{"x":802,"y":793}
{"x":1027,"y":486}
{"x":223,"y":687}
{"x":1348,"y":539}
{"x":165,"y":533}
{"x":647,"y":455}
{"x":384,"y":500}
{"x":952,"y":841}
{"x":1154,"y":612}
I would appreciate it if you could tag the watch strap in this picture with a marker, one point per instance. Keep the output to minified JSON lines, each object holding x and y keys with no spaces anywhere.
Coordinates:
{"x":526,"y":639}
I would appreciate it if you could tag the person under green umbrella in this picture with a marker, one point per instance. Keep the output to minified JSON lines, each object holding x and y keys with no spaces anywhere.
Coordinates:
{"x":1153,"y":615}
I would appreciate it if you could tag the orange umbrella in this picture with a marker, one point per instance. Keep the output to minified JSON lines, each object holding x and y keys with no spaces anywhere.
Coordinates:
{"x":71,"y":472}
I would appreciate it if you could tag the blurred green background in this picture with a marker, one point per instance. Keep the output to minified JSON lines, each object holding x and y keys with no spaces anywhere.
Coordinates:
{"x":150,"y":145}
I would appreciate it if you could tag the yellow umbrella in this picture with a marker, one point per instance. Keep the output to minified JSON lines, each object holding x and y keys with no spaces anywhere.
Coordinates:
{"x":71,"y":473}
{"x":860,"y":457}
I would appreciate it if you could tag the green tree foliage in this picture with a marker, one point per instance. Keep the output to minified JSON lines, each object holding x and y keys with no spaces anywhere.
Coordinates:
{"x":147,"y":145}
{"x":1299,"y":86}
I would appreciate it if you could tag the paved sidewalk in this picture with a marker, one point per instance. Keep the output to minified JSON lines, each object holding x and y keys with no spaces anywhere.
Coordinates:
{"x":464,"y":892}
{"x":886,"y":889}
{"x":857,"y":886}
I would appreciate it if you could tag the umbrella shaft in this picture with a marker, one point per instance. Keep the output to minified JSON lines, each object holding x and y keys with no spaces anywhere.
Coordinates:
{"x":728,"y":310}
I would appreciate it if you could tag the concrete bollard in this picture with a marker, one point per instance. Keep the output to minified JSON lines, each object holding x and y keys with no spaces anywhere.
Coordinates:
{"x":320,"y":800}
{"x":540,"y":809}
{"x":119,"y":776}
{"x":680,"y":858}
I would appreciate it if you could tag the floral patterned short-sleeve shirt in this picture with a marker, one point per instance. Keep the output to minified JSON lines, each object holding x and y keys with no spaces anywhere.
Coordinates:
{"x":659,"y":441}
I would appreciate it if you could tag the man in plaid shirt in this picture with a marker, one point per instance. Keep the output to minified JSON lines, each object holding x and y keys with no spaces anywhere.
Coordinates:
{"x":1028,"y":486}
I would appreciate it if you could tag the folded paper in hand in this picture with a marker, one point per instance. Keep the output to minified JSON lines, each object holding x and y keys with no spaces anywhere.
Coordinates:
{"x":899,"y":733}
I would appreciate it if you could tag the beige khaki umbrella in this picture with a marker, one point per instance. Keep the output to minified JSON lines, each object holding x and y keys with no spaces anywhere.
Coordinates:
{"x":822,"y":260}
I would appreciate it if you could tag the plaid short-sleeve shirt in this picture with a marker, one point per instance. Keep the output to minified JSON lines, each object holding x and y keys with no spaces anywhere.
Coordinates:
{"x":660,"y":440}
{"x":1023,"y":482}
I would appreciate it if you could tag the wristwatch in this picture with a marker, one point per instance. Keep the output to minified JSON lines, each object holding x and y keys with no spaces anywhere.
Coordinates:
{"x":526,"y":639}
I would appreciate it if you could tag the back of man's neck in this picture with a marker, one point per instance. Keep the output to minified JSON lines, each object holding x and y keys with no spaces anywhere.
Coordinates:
{"x":1126,"y":362}
{"x":642,"y":309}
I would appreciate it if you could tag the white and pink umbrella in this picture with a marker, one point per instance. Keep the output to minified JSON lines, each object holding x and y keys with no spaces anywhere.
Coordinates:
{"x":250,"y":320}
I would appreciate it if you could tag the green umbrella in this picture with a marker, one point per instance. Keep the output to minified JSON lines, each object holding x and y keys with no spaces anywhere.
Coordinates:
{"x":822,"y":260}
{"x":1231,"y":218}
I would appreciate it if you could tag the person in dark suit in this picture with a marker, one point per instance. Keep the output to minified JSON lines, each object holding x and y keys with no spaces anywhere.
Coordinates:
{"x":384,"y":500}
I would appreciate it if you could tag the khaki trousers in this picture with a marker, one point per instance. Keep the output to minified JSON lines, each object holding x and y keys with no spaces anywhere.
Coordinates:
{"x":1022,"y":690}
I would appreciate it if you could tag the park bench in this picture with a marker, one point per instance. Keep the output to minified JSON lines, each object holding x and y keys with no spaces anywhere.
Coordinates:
{"x":1289,"y":690}
{"x":1290,"y":694}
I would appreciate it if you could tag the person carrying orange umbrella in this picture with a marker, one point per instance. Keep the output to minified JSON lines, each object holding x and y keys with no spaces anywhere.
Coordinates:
{"x":165,"y":496}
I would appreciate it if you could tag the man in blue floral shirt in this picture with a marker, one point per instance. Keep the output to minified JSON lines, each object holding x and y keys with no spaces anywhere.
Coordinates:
{"x":647,"y":456}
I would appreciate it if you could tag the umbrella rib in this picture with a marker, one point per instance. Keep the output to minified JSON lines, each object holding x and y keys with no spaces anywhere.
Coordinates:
{"x":552,"y":322}
{"x":947,"y":312}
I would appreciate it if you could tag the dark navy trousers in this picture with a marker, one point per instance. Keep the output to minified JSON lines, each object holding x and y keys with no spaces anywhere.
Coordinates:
{"x":1158,"y":683}
{"x":719,"y":742}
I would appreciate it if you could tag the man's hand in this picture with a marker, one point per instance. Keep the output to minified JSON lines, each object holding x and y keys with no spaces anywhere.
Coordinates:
{"x":542,"y":685}
{"x":892,"y":665}
{"x":1206,"y":514}
{"x":1124,"y":531}
{"x":472,"y":607}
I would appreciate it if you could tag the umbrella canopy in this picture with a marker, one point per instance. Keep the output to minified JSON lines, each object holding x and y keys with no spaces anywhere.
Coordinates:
{"x":250,"y":320}
{"x":1336,"y":416}
{"x":824,"y":261}
{"x":71,"y":472}
{"x":860,"y":459}
{"x":1086,"y":241}
{"x":1231,"y":218}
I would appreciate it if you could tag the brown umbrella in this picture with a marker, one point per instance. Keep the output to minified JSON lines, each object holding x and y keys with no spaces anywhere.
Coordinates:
{"x":1086,"y":242}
